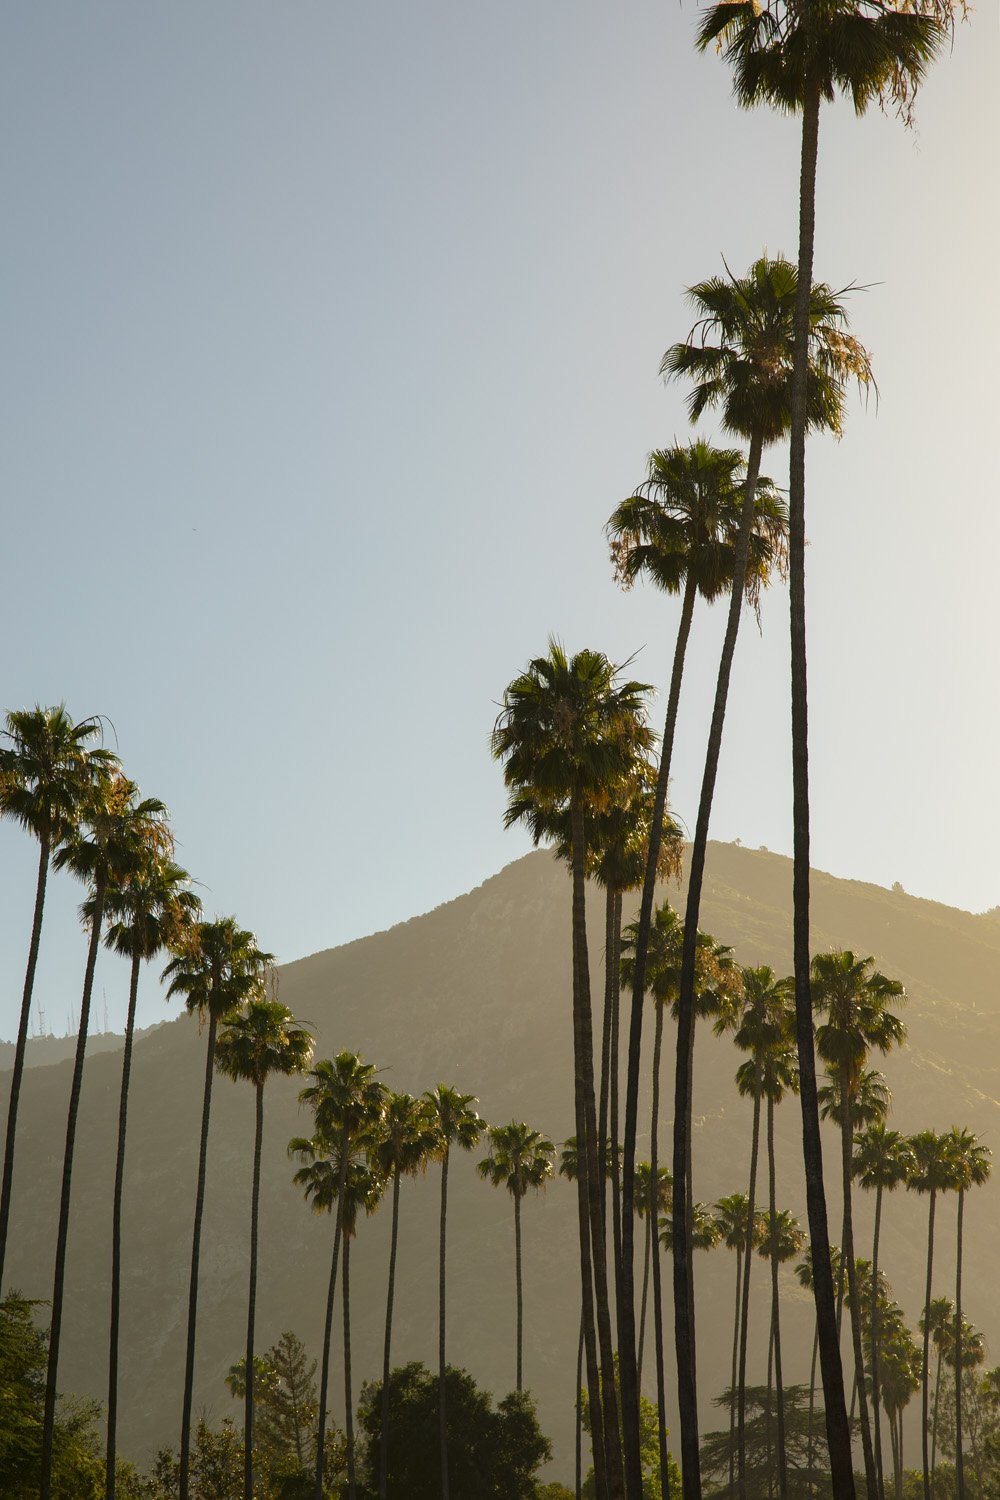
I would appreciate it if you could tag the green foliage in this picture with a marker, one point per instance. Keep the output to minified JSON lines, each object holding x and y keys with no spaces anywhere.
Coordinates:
{"x":493,"y":1453}
{"x":78,"y":1464}
{"x":761,"y":1446}
{"x":649,"y":1452}
{"x":286,"y":1406}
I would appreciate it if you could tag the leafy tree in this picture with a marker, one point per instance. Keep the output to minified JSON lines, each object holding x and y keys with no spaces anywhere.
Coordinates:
{"x":493,"y":1452}
{"x":649,"y":1450}
{"x":262,"y":1039}
{"x":519,"y":1158}
{"x":47,"y":769}
{"x":217,"y":967}
{"x":759,"y":1478}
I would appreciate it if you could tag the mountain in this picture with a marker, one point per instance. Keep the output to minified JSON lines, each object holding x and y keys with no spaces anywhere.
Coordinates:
{"x":477,"y":994}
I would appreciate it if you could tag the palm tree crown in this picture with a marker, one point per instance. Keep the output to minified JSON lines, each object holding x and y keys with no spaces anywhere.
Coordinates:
{"x":261,"y":1040}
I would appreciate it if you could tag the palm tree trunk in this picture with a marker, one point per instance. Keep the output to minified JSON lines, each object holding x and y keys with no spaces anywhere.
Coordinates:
{"x":959,"y":1460}
{"x":116,"y":1236}
{"x":775,"y":1314}
{"x":653,"y":1213}
{"x":847,"y":1141}
{"x":835,"y":1405}
{"x":616,"y":1166}
{"x":735,"y":1374}
{"x":579,"y":1413}
{"x":603,"y":1108}
{"x":587,"y":1179}
{"x":876,"y":1395}
{"x":767,"y":1409}
{"x":383,"y":1446}
{"x":442,"y":1386}
{"x":324,"y":1379}
{"x":684,"y":1327}
{"x":252,"y":1302}
{"x":741,"y":1413}
{"x":626,"y":1286}
{"x":894,"y":1445}
{"x":647,"y":1232}
{"x":934,"y":1418}
{"x":19,"y":1051}
{"x":812,"y":1413}
{"x":520,"y":1290}
{"x":199,"y":1208}
{"x":348,"y":1392}
{"x":55,"y":1324}
{"x":925,"y":1394}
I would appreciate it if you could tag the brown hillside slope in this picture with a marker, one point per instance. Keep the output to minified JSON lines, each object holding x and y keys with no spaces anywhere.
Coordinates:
{"x":476,"y":994}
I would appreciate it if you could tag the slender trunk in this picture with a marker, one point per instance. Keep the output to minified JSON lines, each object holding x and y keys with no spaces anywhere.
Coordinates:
{"x":684,"y":1326}
{"x":348,"y":1392}
{"x":894,"y":1445}
{"x":847,"y":1140}
{"x":442,"y":1386}
{"x":579,"y":1413}
{"x":977,"y":1463}
{"x":603,"y":1108}
{"x":775,"y":1314}
{"x":55,"y":1325}
{"x":647,"y":1231}
{"x":587,"y":1178}
{"x":876,"y":1395}
{"x":116,"y":1236}
{"x":19,"y":1051}
{"x":252,"y":1303}
{"x":769,"y":1450}
{"x":517,"y":1278}
{"x":383,"y":1446}
{"x":934,"y":1418}
{"x":741,"y":1411}
{"x":899,"y":1472}
{"x":837,"y":1428}
{"x":924,"y":1390}
{"x":654,"y":1216}
{"x":959,"y":1460}
{"x":626,"y":1287}
{"x":735,"y":1374}
{"x":812,"y":1413}
{"x":616,"y":1166}
{"x":324,"y":1378}
{"x":199,"y":1208}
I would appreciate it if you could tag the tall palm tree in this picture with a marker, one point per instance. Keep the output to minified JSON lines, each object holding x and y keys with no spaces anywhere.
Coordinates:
{"x":457,"y":1123}
{"x":348,"y":1103}
{"x":146,"y":912}
{"x":803,"y":1272}
{"x":853,"y":997}
{"x":970,"y":1165}
{"x":568,"y":730}
{"x":47,"y":770}
{"x":732,"y":1214}
{"x":363,"y":1188}
{"x":116,"y":835}
{"x":761,"y":1032}
{"x":519,"y":1158}
{"x":882,"y":1161}
{"x":781,"y":1241}
{"x":900,"y":1378}
{"x":793,"y":56}
{"x":217,"y":968}
{"x":748,"y":371}
{"x":932,"y":1174}
{"x":679,"y":530}
{"x":405,"y":1142}
{"x":256,"y":1042}
{"x":940,"y":1316}
{"x":649,"y":1212}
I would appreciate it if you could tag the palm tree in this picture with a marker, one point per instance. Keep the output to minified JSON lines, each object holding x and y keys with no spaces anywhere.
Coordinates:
{"x":803,"y":1271}
{"x":217,"y":968}
{"x":853,"y":997}
{"x":569,"y":730}
{"x":781,"y":1240}
{"x":47,"y":770}
{"x":970,"y":1164}
{"x":762,"y":1032}
{"x":748,"y":371}
{"x":254,"y":1043}
{"x":882,"y":1161}
{"x":348,"y":1103}
{"x":679,"y":530}
{"x":940,"y":1317}
{"x":404,"y":1144}
{"x":732,"y":1214}
{"x":147,"y":912}
{"x":932,"y":1174}
{"x":649,"y":1212}
{"x":363,"y":1188}
{"x":792,"y":56}
{"x":900,"y":1378}
{"x":457,"y":1124}
{"x":116,"y":835}
{"x":519,"y":1158}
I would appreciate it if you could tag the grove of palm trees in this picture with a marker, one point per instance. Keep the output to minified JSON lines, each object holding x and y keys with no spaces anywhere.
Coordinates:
{"x":252,"y":1252}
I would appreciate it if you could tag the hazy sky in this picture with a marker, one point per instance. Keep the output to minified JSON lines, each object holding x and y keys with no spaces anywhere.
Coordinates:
{"x":330,"y":339}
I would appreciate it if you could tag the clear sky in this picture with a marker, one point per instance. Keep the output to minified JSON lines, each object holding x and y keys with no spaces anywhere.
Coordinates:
{"x":330,"y":338}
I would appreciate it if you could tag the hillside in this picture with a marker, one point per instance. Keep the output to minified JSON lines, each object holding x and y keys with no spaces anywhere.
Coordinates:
{"x":476,"y":994}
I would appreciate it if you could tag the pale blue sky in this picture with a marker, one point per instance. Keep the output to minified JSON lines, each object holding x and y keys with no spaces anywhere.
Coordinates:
{"x":330,"y":340}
